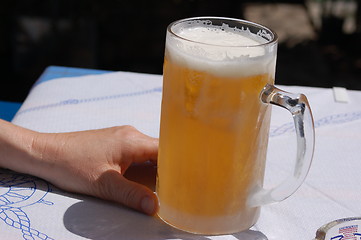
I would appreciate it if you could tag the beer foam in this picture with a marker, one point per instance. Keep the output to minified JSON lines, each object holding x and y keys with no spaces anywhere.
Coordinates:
{"x":219,"y":37}
{"x":221,"y":50}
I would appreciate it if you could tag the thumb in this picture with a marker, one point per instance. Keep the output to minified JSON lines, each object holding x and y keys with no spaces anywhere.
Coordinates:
{"x":131,"y":194}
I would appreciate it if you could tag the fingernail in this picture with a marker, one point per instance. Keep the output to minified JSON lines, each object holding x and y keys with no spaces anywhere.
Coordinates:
{"x":147,"y":205}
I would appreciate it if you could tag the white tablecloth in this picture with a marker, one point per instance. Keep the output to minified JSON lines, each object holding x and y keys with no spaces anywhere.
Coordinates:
{"x":30,"y":207}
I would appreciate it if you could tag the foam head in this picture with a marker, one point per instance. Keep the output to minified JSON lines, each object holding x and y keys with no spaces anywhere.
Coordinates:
{"x":222,"y":50}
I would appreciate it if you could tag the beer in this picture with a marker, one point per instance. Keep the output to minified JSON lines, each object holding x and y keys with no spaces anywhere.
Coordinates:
{"x":214,"y":128}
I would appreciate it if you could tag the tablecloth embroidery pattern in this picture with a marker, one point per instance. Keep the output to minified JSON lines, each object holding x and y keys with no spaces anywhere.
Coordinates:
{"x":88,"y":100}
{"x":324,"y":121}
{"x":18,"y":191}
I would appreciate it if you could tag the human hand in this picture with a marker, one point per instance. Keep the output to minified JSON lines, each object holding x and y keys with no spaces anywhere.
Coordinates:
{"x":94,"y":162}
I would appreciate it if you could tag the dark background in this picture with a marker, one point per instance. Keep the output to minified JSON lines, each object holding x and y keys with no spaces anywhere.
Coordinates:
{"x":129,"y":35}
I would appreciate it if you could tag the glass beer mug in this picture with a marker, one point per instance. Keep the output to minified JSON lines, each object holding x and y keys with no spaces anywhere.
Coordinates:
{"x":218,"y":81}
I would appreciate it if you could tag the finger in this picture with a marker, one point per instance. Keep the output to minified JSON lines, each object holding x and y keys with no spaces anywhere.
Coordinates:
{"x":147,"y":149}
{"x":140,"y":147}
{"x":116,"y":188}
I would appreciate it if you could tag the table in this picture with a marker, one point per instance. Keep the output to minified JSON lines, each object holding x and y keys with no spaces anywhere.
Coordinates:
{"x":32,"y":207}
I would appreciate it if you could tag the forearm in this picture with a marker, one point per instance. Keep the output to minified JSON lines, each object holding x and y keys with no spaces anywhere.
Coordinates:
{"x":55,"y":157}
{"x":17,"y":149}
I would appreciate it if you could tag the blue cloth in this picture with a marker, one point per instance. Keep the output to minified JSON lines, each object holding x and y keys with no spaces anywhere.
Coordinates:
{"x":8,"y":109}
{"x":53,"y":72}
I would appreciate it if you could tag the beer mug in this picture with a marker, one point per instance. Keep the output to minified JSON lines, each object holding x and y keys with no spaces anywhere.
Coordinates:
{"x":218,"y":81}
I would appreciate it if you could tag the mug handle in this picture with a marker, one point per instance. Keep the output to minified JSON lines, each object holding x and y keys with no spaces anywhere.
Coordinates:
{"x":297,"y":105}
